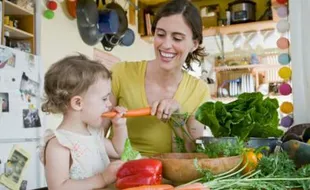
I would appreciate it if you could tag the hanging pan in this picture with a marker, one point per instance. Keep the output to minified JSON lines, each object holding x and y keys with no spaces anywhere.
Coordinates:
{"x":128,"y":38}
{"x":122,"y":18}
{"x":87,"y":18}
{"x":109,"y":41}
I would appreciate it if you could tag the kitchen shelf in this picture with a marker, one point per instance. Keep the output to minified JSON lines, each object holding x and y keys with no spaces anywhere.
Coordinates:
{"x":13,"y":9}
{"x":246,"y":27}
{"x":225,"y":68}
{"x":17,"y":33}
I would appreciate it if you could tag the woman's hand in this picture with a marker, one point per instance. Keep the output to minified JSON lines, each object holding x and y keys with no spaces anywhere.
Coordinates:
{"x":118,"y":121}
{"x":163,"y":109}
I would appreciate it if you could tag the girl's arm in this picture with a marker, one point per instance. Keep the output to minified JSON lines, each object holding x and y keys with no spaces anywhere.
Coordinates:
{"x":57,"y":170}
{"x":115,"y":146}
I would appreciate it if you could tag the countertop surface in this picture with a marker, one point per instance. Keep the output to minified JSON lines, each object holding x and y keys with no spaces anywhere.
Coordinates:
{"x":110,"y":187}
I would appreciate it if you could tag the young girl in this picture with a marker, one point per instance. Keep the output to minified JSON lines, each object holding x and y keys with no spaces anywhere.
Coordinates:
{"x":75,"y":155}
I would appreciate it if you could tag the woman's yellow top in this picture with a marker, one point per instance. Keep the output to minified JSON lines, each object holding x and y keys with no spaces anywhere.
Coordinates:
{"x":149,"y":135}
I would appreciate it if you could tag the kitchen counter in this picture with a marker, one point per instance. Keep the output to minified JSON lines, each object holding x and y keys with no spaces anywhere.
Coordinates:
{"x":110,"y":187}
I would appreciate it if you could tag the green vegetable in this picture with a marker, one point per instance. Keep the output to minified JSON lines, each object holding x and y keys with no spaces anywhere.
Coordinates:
{"x":222,"y":149}
{"x":129,"y":153}
{"x":178,"y":121}
{"x":274,"y":172}
{"x":248,"y":116}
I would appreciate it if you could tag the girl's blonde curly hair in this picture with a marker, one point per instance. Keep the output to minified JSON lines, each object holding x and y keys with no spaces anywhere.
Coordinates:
{"x":69,"y":77}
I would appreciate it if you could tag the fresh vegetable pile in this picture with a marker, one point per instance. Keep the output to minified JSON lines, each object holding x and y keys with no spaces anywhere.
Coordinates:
{"x":248,"y":116}
{"x":274,"y":172}
{"x":222,"y":149}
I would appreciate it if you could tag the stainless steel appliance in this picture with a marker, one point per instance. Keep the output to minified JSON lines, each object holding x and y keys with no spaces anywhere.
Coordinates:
{"x":242,"y":11}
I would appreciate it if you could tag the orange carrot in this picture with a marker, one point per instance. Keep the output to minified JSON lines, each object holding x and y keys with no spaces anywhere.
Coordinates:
{"x":194,"y":186}
{"x":152,"y":187}
{"x":130,"y":113}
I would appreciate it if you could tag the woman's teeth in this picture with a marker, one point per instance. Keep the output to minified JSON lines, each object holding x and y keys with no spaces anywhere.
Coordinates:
{"x":167,"y":55}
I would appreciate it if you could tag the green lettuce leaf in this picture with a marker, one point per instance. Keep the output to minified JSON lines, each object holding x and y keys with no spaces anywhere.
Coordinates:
{"x":129,"y":153}
{"x":249,"y":116}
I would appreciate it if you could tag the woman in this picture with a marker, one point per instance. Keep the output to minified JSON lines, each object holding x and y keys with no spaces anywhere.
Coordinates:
{"x":163,"y":83}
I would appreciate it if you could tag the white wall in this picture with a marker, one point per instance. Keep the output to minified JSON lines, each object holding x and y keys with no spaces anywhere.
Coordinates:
{"x":60,"y":37}
{"x":299,"y":16}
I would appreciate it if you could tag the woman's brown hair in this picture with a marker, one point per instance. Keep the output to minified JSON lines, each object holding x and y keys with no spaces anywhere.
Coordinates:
{"x":69,"y":77}
{"x":192,"y":17}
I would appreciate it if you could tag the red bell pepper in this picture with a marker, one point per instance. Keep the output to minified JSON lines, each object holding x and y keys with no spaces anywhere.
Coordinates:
{"x":139,"y":172}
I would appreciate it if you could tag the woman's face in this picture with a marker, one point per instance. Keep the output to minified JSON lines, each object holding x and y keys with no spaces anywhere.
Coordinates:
{"x":173,"y":40}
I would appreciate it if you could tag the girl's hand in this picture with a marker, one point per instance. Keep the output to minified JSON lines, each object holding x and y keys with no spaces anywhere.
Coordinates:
{"x":109,"y":174}
{"x":118,"y":121}
{"x":163,"y":109}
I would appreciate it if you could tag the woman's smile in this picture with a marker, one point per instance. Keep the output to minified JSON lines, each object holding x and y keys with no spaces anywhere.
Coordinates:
{"x":166,"y":56}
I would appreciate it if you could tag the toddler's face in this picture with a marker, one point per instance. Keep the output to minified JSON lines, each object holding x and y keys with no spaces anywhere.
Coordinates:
{"x":95,"y":102}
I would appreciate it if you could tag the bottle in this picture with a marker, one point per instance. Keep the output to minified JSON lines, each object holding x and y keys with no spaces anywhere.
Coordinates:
{"x":7,"y":39}
{"x":228,"y":17}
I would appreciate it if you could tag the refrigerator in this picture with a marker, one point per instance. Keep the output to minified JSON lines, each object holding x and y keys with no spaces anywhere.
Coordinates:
{"x":21,"y":121}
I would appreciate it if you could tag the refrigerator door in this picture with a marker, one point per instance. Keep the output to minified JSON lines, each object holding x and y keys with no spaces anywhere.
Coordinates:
{"x":31,"y":174}
{"x":21,"y":81}
{"x":20,"y":92}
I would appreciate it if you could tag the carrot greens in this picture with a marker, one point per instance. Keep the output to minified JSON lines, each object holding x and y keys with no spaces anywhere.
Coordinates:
{"x":274,"y":172}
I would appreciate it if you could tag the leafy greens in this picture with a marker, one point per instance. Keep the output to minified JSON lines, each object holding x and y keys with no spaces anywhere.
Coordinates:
{"x":248,"y":116}
{"x":129,"y":153}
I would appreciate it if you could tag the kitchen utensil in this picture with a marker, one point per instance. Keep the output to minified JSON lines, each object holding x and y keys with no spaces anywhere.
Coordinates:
{"x":242,"y":11}
{"x":108,"y":21}
{"x":90,"y":35}
{"x":87,"y":18}
{"x":86,"y":13}
{"x":298,"y":130}
{"x":71,"y":7}
{"x":122,"y":18}
{"x":109,"y":41}
{"x":128,"y":38}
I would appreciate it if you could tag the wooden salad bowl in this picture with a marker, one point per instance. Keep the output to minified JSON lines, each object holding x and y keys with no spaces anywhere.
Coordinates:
{"x":179,"y":167}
